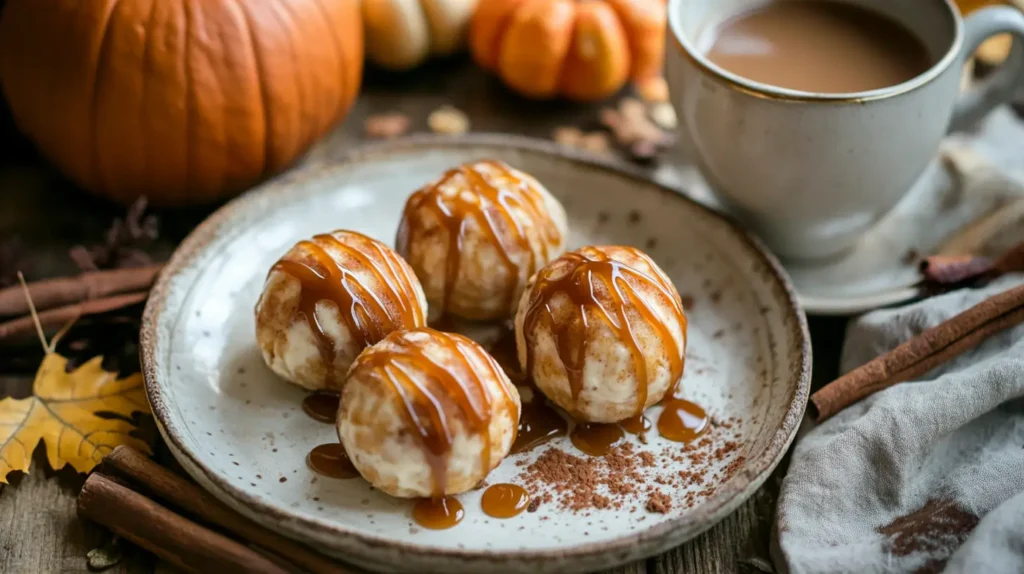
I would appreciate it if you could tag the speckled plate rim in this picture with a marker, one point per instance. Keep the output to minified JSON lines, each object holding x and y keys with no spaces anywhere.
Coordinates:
{"x":728,"y":497}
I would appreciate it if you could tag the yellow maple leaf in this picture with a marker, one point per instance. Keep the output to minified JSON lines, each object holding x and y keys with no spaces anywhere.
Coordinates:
{"x":63,"y":414}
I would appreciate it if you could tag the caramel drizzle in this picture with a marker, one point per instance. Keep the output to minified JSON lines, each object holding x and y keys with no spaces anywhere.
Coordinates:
{"x":589,"y":265}
{"x":489,"y":206}
{"x":426,"y":388}
{"x":365,"y":314}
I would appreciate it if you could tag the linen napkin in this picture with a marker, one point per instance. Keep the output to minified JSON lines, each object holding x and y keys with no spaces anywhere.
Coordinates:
{"x":926,"y":476}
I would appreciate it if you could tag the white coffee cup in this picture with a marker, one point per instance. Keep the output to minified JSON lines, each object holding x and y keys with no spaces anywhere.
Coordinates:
{"x":812,"y":172}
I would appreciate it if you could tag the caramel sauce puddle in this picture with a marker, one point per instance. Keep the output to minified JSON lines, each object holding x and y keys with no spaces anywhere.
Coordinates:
{"x":331,"y":460}
{"x":321,"y":406}
{"x":504,"y":500}
{"x":438,"y":513}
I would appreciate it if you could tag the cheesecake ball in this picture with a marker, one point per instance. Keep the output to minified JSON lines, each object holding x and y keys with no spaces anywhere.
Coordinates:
{"x":602,"y":333}
{"x":476,"y":235}
{"x":329,"y":298}
{"x":426,"y":413}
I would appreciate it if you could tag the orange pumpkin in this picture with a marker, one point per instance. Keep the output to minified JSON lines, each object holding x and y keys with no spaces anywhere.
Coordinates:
{"x":185,"y":101}
{"x":582,"y":50}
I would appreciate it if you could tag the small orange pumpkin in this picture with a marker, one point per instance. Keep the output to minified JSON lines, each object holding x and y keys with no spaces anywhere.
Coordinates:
{"x":582,"y":50}
{"x":185,"y":101}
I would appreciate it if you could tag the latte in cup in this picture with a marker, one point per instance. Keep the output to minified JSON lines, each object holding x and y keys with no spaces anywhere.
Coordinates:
{"x":818,"y":46}
{"x":811,"y":119}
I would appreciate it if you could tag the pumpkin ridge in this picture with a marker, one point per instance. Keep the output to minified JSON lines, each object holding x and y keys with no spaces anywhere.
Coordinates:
{"x":487,"y":31}
{"x":93,"y":164}
{"x":188,"y":97}
{"x":302,"y":137}
{"x":340,"y":56}
{"x":529,"y":69}
{"x":568,"y":51}
{"x":500,"y":36}
{"x":323,"y":108}
{"x":142,"y":88}
{"x":264,"y":106}
{"x":356,"y":64}
{"x":437,"y":18}
{"x":646,"y":34}
{"x":288,"y":137}
{"x":203,"y":25}
{"x":49,"y":143}
{"x":599,"y":22}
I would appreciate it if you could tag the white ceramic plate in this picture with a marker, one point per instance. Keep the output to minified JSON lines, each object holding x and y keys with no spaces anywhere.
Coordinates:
{"x":241,"y":433}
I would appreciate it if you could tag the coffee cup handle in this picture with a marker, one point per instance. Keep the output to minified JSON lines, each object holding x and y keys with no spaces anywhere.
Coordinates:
{"x":999,"y":87}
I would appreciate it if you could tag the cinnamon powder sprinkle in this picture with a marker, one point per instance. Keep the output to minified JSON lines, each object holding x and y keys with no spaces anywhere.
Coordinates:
{"x":659,"y":503}
{"x":621,"y":480}
{"x":933,"y":532}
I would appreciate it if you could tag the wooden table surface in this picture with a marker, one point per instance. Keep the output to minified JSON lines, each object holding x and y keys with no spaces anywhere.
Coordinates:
{"x":39,"y":531}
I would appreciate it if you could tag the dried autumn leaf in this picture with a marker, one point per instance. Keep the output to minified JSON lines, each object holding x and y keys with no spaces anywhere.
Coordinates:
{"x":63,"y":413}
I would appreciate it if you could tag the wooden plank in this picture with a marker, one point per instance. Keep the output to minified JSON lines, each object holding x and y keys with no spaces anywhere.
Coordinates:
{"x":740,"y":543}
{"x":731,"y":546}
{"x":634,"y":568}
{"x":164,"y":568}
{"x":39,"y":528}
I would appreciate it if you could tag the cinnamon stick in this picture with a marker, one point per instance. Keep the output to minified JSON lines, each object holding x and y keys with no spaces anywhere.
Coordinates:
{"x":56,"y":318}
{"x":168,"y":486}
{"x":953,"y":269}
{"x":178,"y":540}
{"x":63,"y":291}
{"x":942,"y":272}
{"x":922,"y":353}
{"x":1011,"y":261}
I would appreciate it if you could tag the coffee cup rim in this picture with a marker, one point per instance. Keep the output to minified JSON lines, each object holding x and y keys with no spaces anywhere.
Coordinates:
{"x":770,"y":92}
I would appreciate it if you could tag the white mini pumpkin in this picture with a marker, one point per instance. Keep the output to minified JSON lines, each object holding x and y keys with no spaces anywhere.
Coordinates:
{"x":401,"y":34}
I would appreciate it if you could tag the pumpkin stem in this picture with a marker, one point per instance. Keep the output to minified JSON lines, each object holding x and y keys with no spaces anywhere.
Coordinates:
{"x":32,"y":310}
{"x":52,"y":345}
